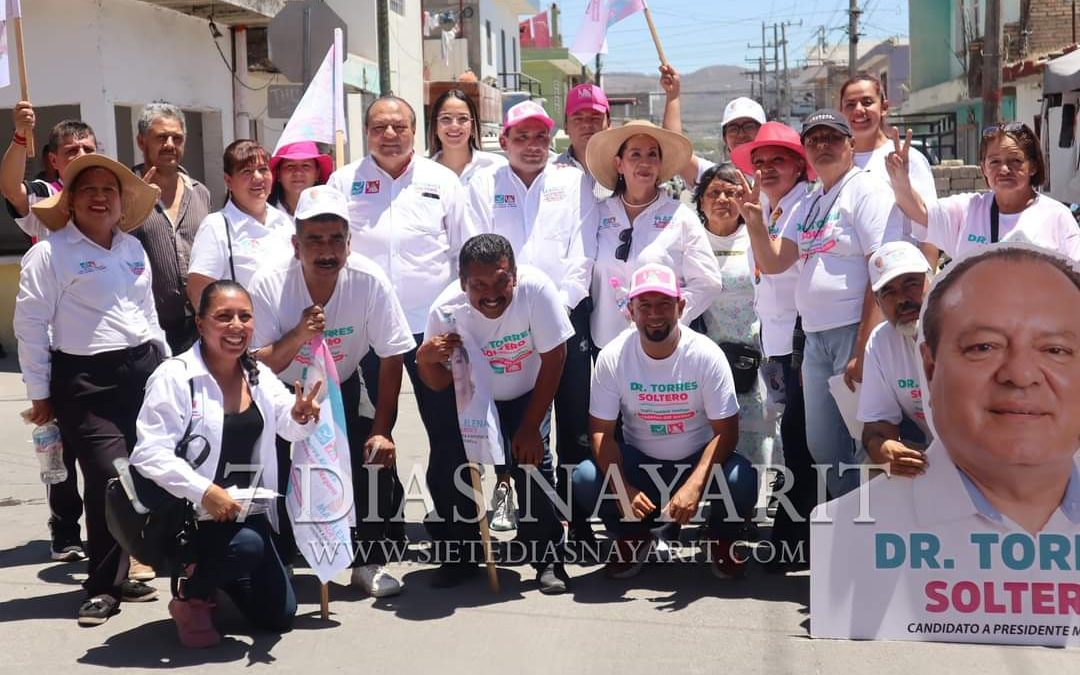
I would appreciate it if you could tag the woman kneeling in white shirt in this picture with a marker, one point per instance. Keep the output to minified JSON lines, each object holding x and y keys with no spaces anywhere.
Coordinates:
{"x":237,"y":417}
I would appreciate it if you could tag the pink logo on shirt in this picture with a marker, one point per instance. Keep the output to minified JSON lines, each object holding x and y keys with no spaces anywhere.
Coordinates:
{"x":137,"y":267}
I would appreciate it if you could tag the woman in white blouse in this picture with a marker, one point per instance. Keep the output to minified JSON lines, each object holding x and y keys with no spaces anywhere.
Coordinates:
{"x":641,"y":224}
{"x":88,"y":340}
{"x":240,"y":407}
{"x":454,"y":136}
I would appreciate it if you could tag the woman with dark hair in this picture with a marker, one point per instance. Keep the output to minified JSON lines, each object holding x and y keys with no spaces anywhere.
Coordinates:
{"x":296,"y":167}
{"x":641,"y":224}
{"x":89,"y":338}
{"x":247,"y":233}
{"x":454,"y":136}
{"x":1012,"y":164}
{"x":730,"y":320}
{"x":233,"y":406}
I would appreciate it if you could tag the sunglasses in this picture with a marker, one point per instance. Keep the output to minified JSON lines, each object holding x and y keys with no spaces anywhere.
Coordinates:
{"x":622,"y":252}
{"x":1005,"y":127}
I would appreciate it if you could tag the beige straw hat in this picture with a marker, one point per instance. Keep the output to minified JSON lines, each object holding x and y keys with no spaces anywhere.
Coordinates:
{"x":137,"y":198}
{"x":675,"y":151}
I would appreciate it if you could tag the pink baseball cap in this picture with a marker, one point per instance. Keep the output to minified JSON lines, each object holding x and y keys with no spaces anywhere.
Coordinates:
{"x":654,"y":278}
{"x":586,"y":96}
{"x":527,"y":110}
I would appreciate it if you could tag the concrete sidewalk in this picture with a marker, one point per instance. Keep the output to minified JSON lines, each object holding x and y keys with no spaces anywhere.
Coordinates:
{"x":674,"y":617}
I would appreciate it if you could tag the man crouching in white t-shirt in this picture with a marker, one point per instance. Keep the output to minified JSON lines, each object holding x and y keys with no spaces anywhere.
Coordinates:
{"x":891,"y":400}
{"x":674,"y":390}
{"x":518,"y":319}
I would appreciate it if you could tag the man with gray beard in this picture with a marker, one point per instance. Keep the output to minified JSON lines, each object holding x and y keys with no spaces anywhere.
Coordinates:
{"x":891,"y":400}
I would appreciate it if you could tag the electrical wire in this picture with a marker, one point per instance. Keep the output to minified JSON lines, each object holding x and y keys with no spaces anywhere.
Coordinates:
{"x":228,"y":67}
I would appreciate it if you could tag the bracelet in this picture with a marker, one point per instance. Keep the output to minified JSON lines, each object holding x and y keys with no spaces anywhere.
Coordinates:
{"x":19,"y":139}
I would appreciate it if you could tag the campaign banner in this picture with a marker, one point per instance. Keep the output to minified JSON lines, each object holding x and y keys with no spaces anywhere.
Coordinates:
{"x":10,"y":9}
{"x":320,"y":497}
{"x":928,"y":558}
{"x":591,"y":38}
{"x":478,"y":418}
{"x":321,"y":111}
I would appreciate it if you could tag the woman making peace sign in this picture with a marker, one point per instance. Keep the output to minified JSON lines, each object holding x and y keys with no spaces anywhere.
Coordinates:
{"x":237,"y":418}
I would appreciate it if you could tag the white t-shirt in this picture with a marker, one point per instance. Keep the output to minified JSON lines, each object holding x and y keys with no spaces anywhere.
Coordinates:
{"x":774,"y":294}
{"x":960,"y":223}
{"x":668,"y":233}
{"x":411,"y":226}
{"x":920,"y":175}
{"x":254,"y":244}
{"x":836,"y":231}
{"x":547,"y":223}
{"x":666,"y":404}
{"x":890,"y":387}
{"x":534,"y":323}
{"x":363,"y":313}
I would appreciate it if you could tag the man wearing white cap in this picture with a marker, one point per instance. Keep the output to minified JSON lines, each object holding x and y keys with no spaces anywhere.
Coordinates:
{"x":890,"y":393}
{"x":548,"y":213}
{"x":345,"y":298}
{"x":675,"y":394}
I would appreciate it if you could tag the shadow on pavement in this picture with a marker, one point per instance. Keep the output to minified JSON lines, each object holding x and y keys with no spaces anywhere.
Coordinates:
{"x":34,"y":552}
{"x":51,"y":606}
{"x":155,"y":645}
{"x":421,"y":602}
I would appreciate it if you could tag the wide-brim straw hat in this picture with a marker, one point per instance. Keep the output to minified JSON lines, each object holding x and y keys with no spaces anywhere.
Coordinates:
{"x":137,"y":198}
{"x":675,"y":151}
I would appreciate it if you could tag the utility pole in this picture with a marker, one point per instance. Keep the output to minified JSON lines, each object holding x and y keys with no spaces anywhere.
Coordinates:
{"x":776,"y":71}
{"x":785,"y":99}
{"x":599,"y":81}
{"x":991,"y":66}
{"x":853,"y":35}
{"x":761,"y":67}
{"x":382,"y":24}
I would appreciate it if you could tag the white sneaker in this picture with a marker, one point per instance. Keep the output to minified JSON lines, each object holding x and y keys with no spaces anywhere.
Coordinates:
{"x":376,"y":581}
{"x":503,"y":511}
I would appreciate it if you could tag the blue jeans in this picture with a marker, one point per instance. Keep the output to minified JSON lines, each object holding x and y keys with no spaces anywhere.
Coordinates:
{"x":740,"y":478}
{"x":240,"y":559}
{"x":827,"y":438}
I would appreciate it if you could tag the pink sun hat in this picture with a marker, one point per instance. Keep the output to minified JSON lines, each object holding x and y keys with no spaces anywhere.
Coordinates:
{"x":303,"y":150}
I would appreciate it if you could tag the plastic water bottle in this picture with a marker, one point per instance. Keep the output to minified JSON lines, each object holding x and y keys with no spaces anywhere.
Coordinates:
{"x":50,"y":453}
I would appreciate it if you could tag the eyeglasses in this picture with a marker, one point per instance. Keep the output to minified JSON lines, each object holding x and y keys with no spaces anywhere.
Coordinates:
{"x":747,"y":128}
{"x":726,"y":194}
{"x":449,"y":120}
{"x":1005,"y":127}
{"x":622,"y":252}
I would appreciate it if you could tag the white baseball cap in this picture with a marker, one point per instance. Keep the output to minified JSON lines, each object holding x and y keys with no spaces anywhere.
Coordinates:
{"x":742,"y":107}
{"x":524,"y":111}
{"x":322,"y":200}
{"x":654,"y":278}
{"x":893,"y":259}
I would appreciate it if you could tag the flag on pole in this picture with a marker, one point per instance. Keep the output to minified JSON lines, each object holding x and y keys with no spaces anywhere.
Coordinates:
{"x":535,"y":32}
{"x":10,"y":9}
{"x":321,"y":111}
{"x":319,"y":497}
{"x":600,"y":15}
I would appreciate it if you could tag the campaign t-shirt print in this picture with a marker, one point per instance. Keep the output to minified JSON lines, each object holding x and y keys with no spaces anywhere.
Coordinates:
{"x":508,"y":353}
{"x":664,"y":407}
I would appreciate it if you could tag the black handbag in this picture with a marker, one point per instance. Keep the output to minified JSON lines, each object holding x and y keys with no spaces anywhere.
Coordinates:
{"x":147,"y":521}
{"x":744,"y":361}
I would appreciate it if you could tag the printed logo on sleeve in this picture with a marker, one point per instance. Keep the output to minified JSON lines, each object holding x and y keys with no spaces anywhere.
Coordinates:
{"x":505,"y":201}
{"x":365,"y":187}
{"x":137,"y":267}
{"x":90,"y":266}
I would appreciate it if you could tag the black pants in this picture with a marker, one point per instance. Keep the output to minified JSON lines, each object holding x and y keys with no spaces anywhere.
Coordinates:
{"x":795,"y":528}
{"x":96,"y":400}
{"x":572,"y":403}
{"x":65,"y":503}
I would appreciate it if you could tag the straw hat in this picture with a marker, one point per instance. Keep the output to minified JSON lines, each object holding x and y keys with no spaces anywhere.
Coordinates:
{"x":675,"y":150}
{"x":137,"y":199}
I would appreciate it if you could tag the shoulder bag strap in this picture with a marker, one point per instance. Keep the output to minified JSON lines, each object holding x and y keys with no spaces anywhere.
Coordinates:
{"x":994,"y":216}
{"x":228,"y":240}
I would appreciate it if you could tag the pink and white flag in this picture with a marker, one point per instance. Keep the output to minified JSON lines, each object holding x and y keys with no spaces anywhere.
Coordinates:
{"x":600,"y":15}
{"x":321,"y":111}
{"x":320,"y":495}
{"x":9,"y":9}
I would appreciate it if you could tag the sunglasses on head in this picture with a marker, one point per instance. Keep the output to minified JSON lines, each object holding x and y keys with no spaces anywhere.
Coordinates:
{"x":1005,"y":127}
{"x":622,"y":252}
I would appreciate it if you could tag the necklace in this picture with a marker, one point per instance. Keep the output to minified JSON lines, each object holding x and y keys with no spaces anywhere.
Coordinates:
{"x":631,"y":205}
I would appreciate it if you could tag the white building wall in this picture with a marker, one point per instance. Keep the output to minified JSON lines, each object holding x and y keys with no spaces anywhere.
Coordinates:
{"x":502,"y":19}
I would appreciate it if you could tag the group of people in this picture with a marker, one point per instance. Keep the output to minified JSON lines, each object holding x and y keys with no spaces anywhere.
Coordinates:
{"x":680,"y":349}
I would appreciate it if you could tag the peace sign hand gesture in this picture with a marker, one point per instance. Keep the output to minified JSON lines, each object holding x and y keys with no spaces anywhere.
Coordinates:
{"x":897,"y":162}
{"x":306,"y":408}
{"x":749,"y":201}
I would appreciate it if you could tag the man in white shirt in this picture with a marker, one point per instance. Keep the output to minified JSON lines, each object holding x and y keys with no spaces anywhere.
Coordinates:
{"x":675,"y":394}
{"x":518,"y":320}
{"x":547,"y":212}
{"x":1001,"y":491}
{"x":890,"y":399}
{"x":407,"y":214}
{"x":347,"y":300}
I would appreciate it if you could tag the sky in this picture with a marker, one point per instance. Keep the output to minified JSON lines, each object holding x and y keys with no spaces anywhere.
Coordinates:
{"x":699,"y":33}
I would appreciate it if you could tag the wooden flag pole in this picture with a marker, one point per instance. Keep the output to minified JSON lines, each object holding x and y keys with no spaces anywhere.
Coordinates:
{"x":655,"y":36}
{"x":339,"y":149}
{"x":485,"y":533}
{"x":324,"y":602}
{"x":23,"y":81}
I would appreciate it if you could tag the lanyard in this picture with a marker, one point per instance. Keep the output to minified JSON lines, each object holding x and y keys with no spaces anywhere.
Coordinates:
{"x":993,"y":221}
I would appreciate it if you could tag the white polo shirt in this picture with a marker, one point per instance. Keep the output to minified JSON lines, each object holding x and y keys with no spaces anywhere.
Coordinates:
{"x":774,"y":294}
{"x":960,"y":223}
{"x":254,"y":244}
{"x":92,"y":299}
{"x":547,"y":222}
{"x":890,"y":387}
{"x":567,"y":158}
{"x":668,"y":233}
{"x":836,"y":231}
{"x":412,"y":227}
{"x":481,"y":162}
{"x":534,"y":323}
{"x":666,"y":404}
{"x":363,"y":313}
